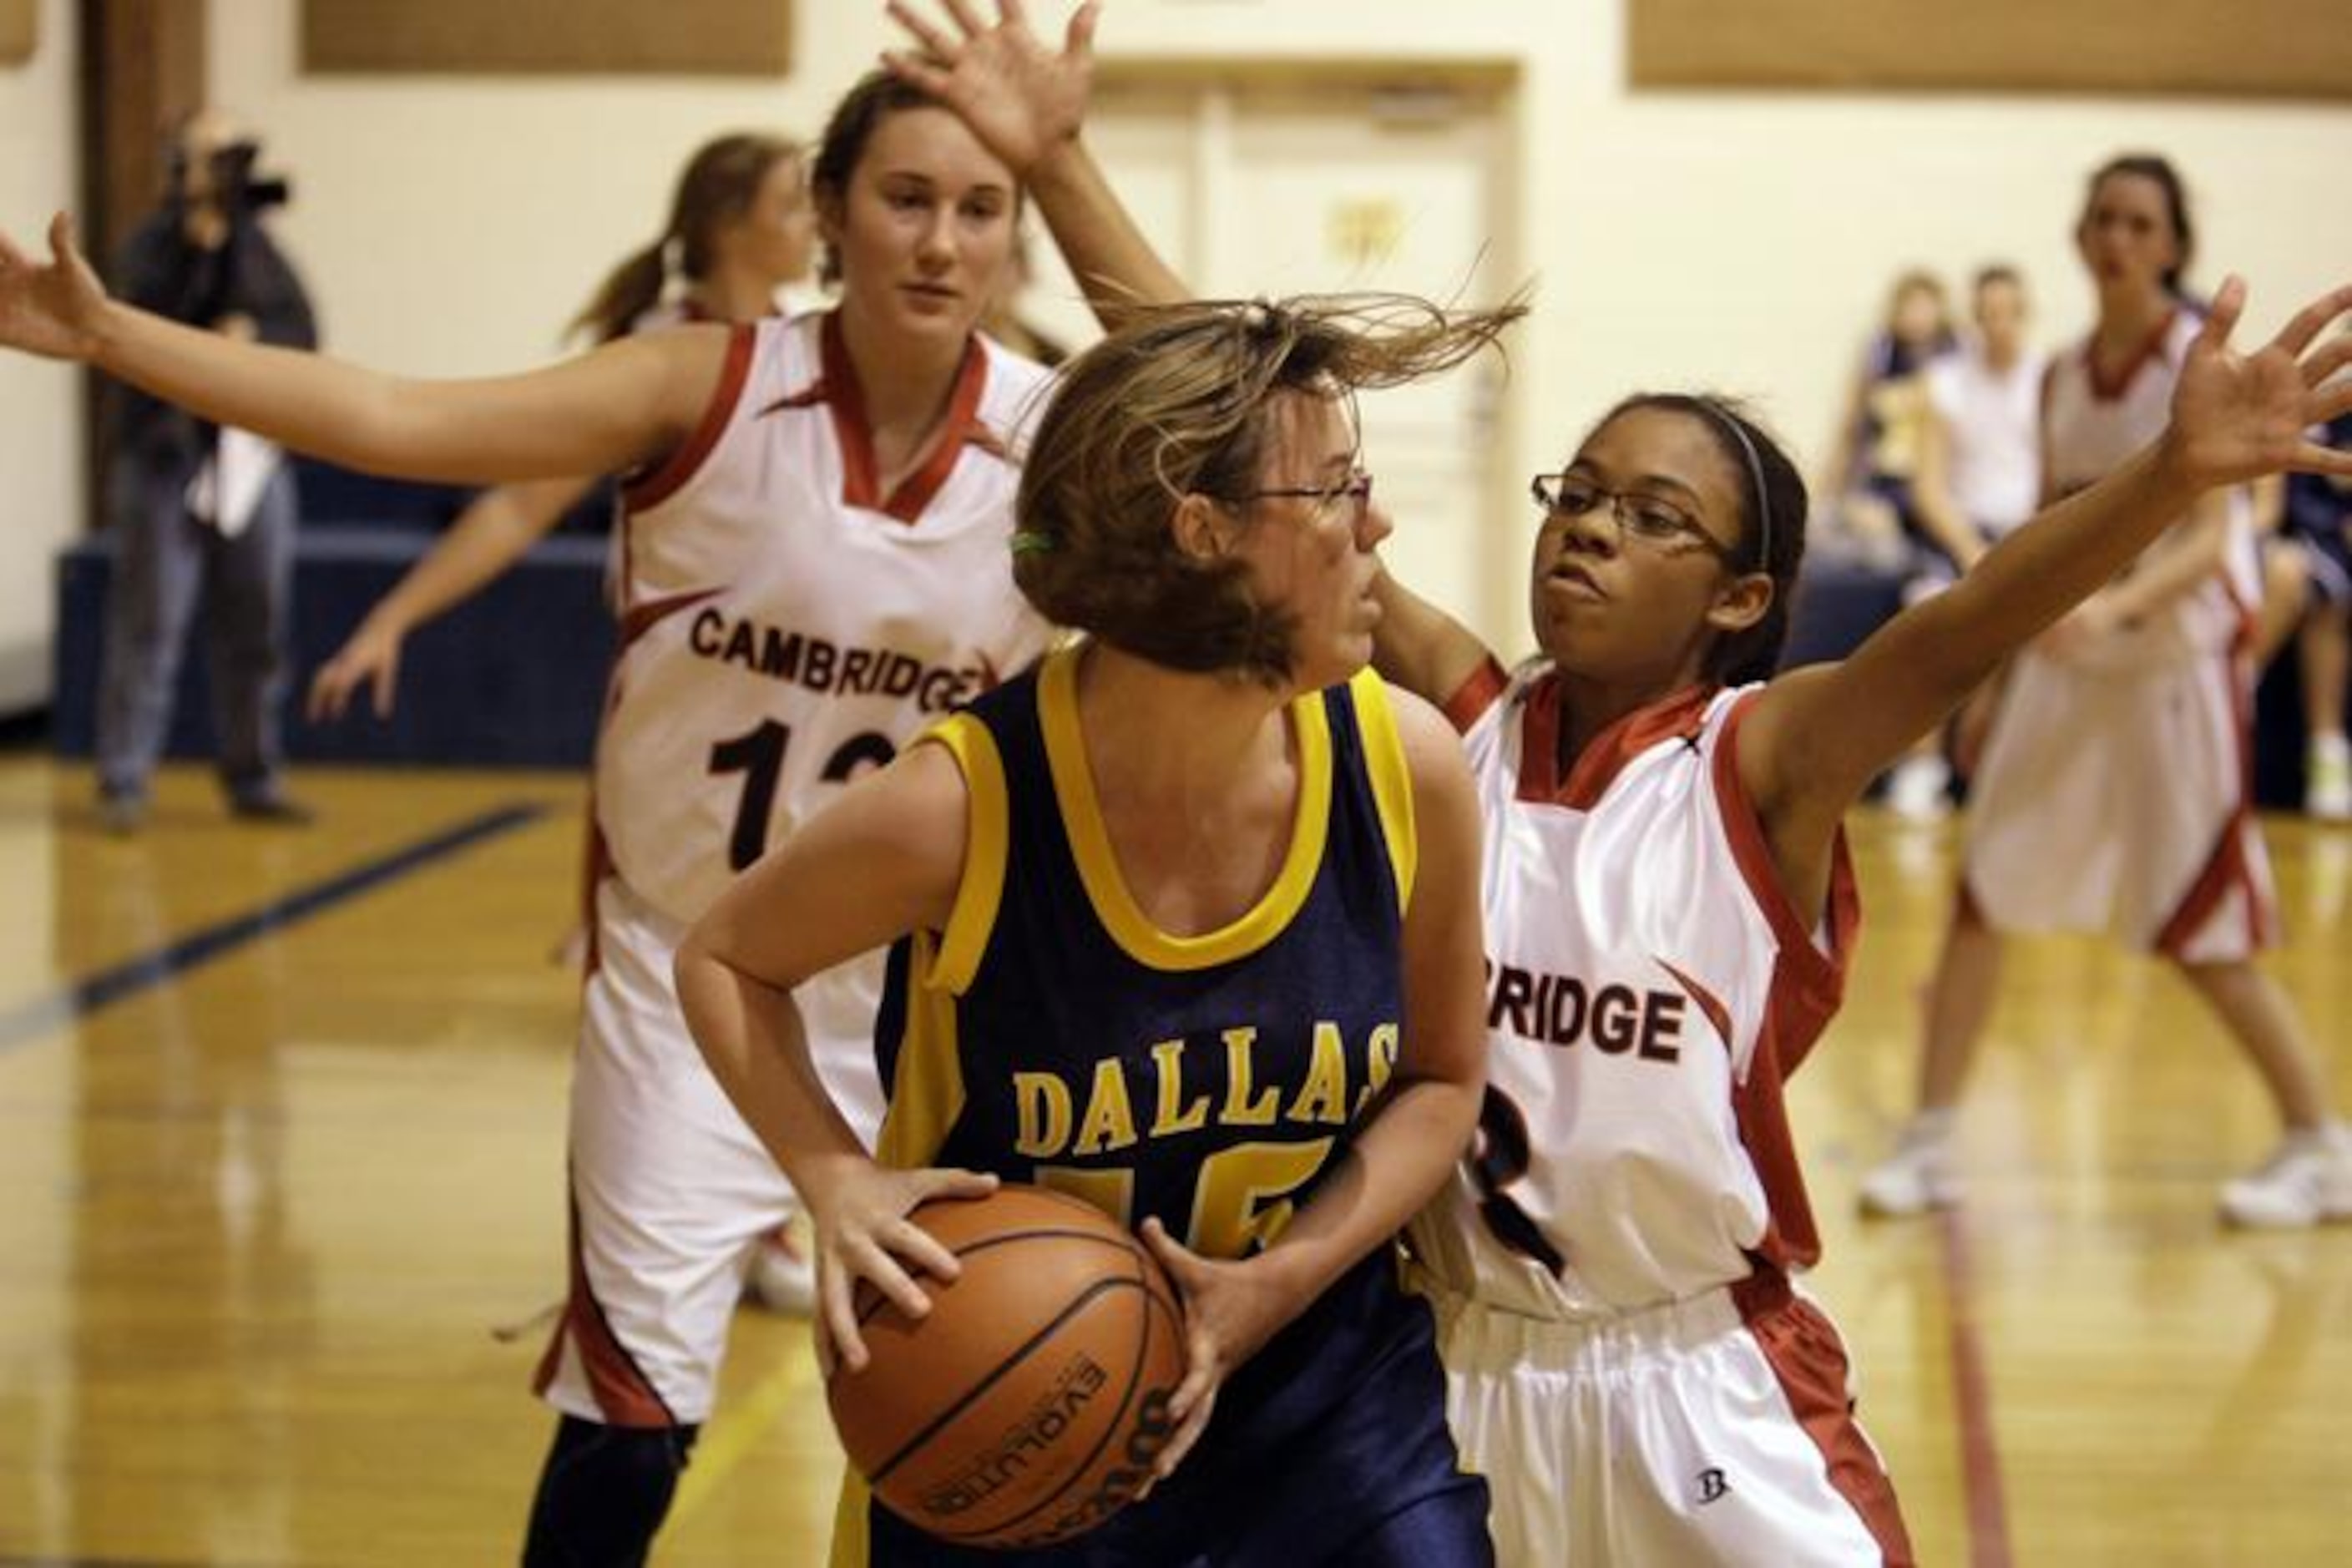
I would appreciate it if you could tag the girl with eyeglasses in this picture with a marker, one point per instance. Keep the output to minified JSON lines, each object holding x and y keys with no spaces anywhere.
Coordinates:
{"x":1670,"y":909}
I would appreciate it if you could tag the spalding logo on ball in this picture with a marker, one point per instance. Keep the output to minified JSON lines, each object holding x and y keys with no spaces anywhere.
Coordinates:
{"x":1029,"y":1406}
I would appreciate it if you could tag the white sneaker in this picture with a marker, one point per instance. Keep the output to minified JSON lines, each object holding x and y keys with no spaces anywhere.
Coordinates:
{"x":1915,"y":790}
{"x":2327,"y":779}
{"x":1919,"y":1176}
{"x":2307,"y":1180}
{"x":782,"y":1278}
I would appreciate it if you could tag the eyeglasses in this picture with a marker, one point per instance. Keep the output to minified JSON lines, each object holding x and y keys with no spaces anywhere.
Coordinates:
{"x":1654,"y":521}
{"x":1355,"y":491}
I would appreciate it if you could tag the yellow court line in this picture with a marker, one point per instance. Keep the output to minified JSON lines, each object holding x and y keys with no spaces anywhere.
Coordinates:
{"x":738,"y":1426}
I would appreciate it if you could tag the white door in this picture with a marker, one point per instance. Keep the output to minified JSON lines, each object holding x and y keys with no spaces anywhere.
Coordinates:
{"x":1264,"y":190}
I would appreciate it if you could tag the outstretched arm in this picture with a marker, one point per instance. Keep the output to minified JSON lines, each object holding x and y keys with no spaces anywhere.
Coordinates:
{"x":1027,"y":104}
{"x":620,"y":407}
{"x":491,"y":535}
{"x":1819,"y":735}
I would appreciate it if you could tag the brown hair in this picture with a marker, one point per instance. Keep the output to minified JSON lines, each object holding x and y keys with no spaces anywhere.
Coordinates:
{"x":877,"y":96}
{"x":1176,"y":403}
{"x":2158,"y":169}
{"x":718,"y":183}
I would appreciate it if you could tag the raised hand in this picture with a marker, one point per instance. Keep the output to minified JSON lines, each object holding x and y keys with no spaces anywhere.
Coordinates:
{"x":371,"y":658}
{"x":1020,"y":98}
{"x":50,"y":310}
{"x":2238,"y":417}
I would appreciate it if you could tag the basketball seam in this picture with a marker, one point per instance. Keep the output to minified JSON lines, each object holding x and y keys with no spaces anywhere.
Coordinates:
{"x":1134,"y":1390}
{"x":996,"y":1375}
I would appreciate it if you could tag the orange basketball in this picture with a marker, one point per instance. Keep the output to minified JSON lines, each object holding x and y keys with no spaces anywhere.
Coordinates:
{"x":1028,"y":1406}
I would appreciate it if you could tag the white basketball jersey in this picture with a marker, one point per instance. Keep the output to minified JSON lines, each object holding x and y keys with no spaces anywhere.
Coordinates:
{"x":1993,"y":418}
{"x":2091,"y":428}
{"x":786,"y":626}
{"x":1649,"y":985}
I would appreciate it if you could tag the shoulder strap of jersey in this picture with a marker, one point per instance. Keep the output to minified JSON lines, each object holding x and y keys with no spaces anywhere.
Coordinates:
{"x":1390,"y":776}
{"x":986,"y":841}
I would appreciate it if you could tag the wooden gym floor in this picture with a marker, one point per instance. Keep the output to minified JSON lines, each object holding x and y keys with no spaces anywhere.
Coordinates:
{"x":281,"y":1137}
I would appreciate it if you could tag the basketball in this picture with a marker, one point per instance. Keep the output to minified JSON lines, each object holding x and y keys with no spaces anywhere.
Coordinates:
{"x":1029,"y":1405}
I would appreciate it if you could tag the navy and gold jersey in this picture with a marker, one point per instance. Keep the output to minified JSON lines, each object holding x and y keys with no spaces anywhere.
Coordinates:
{"x":1054,"y":1035}
{"x":1051,"y":1034}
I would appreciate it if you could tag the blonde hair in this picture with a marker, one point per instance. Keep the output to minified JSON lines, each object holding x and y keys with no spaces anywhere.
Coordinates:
{"x":1176,"y":403}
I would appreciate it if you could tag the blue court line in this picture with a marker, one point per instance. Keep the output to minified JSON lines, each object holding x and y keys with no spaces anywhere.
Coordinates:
{"x":46,"y":1014}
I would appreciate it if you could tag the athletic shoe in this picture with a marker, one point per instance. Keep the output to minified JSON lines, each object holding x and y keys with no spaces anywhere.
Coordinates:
{"x":1915,"y":790}
{"x":1919,"y":1176}
{"x":2327,"y":779}
{"x":121,"y":812}
{"x":2307,"y":1180}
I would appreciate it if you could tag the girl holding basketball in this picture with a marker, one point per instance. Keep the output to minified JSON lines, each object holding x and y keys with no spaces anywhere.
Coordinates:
{"x":1669,"y":909}
{"x":814,"y":569}
{"x":1186,"y":924}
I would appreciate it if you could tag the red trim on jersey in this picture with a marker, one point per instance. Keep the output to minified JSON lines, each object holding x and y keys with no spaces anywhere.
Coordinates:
{"x":595,"y":864}
{"x":1709,"y":1002}
{"x":650,"y":490}
{"x":2229,"y":868}
{"x":624,"y":1394}
{"x":1679,"y":717}
{"x":2105,"y":389}
{"x":1806,"y":988}
{"x":861,"y":473}
{"x":1479,"y":692}
{"x":916,"y":491}
{"x":988,"y":441}
{"x":1820,"y":975}
{"x":808,"y":397}
{"x":1809,"y":1359}
{"x":639,"y":619}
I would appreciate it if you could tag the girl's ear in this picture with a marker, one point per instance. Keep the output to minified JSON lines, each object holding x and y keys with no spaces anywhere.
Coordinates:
{"x":1740,"y":603}
{"x":1202,"y":528}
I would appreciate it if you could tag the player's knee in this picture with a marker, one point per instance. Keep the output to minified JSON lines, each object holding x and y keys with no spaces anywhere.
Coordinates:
{"x":604,"y":1493}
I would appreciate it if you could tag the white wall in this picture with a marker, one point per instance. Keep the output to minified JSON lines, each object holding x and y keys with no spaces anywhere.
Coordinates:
{"x":1740,"y":241}
{"x":40,"y":403}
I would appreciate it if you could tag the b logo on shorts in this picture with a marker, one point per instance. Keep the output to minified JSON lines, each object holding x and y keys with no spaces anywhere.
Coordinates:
{"x":1712,"y":1487}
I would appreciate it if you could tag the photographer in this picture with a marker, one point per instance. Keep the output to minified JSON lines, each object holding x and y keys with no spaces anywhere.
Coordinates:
{"x":195,"y":510}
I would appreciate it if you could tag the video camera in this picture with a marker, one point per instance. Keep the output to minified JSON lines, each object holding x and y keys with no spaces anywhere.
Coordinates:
{"x":239,"y":186}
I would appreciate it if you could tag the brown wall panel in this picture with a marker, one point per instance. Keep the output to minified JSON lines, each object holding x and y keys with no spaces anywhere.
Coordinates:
{"x":2289,"y":48}
{"x":718,"y":38}
{"x":20,"y":30}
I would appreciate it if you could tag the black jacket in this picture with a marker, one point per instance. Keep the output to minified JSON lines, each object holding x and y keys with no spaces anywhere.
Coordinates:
{"x":159,"y":270}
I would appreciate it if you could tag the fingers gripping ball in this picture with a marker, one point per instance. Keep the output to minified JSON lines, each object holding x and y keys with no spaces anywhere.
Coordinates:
{"x":1029,"y":1405}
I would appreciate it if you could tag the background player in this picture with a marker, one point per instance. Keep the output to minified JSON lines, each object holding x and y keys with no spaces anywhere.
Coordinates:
{"x":2113,"y":795}
{"x":741,"y":229}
